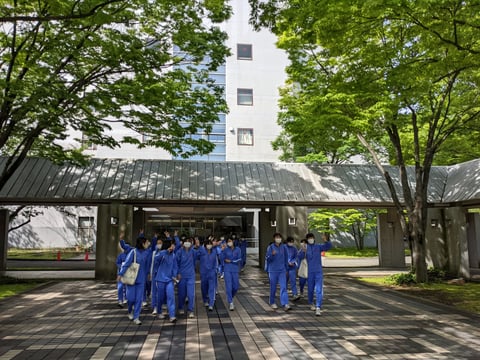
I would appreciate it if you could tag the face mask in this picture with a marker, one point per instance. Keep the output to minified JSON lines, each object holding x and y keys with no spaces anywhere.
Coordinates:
{"x":278,"y":240}
{"x":311,"y":241}
{"x":209,"y":246}
{"x":230,"y":243}
{"x":146,"y":245}
{"x":304,"y":245}
{"x":187,"y":244}
{"x":290,"y":244}
{"x":159,"y":246}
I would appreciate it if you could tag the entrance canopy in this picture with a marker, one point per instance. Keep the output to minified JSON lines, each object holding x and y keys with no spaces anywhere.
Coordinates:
{"x":172,"y":182}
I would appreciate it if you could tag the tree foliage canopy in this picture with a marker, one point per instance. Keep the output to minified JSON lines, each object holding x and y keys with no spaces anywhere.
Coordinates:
{"x":400,"y":75}
{"x":86,"y":65}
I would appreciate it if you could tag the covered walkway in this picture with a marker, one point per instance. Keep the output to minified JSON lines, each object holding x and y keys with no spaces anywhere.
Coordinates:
{"x":81,"y":320}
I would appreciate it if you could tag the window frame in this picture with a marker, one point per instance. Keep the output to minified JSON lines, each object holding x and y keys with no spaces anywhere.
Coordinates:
{"x":240,"y":135}
{"x":239,"y":90}
{"x":239,"y":57}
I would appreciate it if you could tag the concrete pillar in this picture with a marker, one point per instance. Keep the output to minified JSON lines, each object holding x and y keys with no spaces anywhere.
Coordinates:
{"x":266,"y":231}
{"x":391,"y":247}
{"x":4,"y":222}
{"x":292,"y":221}
{"x":473,"y":239}
{"x":435,"y":244}
{"x":111,"y":221}
{"x":456,"y":237}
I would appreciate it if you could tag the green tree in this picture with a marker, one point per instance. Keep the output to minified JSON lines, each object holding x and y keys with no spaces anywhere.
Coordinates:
{"x":400,"y":75}
{"x":89,"y":65}
{"x":357,"y":222}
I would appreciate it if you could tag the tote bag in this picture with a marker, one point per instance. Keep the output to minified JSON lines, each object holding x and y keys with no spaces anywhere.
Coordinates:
{"x":131,"y":274}
{"x":303,"y":269}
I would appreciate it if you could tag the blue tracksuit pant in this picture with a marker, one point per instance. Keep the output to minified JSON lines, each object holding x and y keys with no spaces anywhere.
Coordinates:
{"x":315,"y":283}
{"x":232,"y":284}
{"x":209,"y":287}
{"x":292,"y":279}
{"x":186,"y":288}
{"x":135,"y":295}
{"x":278,"y":278}
{"x":166,"y":294}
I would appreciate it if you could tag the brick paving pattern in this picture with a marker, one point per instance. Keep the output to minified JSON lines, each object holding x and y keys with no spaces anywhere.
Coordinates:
{"x":81,"y":320}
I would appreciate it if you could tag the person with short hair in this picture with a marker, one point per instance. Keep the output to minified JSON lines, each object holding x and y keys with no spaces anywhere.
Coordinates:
{"x":292,"y":267}
{"x":301,"y":255}
{"x":231,"y":257}
{"x":277,"y":260}
{"x":208,"y":272}
{"x":313,"y":254}
{"x":166,"y":268}
{"x":143,"y":255}
{"x":186,"y":257}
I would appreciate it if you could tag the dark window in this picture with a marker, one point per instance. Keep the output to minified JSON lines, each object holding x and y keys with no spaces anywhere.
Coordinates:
{"x":244,"y":51}
{"x":245,"y":96}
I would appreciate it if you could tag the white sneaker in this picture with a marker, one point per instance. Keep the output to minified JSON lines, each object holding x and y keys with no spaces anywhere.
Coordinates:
{"x":120,"y":304}
{"x":154,"y":312}
{"x":274,"y":306}
{"x":210,"y":308}
{"x":318,"y":312}
{"x":286,"y":307}
{"x":181,"y":311}
{"x":191,"y":315}
{"x":296,"y":297}
{"x":232,"y":307}
{"x":137,"y":322}
{"x":130,"y":316}
{"x":313,"y":307}
{"x":173,"y":319}
{"x":161,"y":316}
{"x":144,"y":303}
{"x":206,"y":304}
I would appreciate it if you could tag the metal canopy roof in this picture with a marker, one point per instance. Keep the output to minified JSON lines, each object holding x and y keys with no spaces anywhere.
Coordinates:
{"x":154,"y":182}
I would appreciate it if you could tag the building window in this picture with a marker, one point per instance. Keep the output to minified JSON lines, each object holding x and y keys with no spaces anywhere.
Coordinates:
{"x":87,"y":144}
{"x":244,"y":96}
{"x":244,"y":51}
{"x":245,"y":137}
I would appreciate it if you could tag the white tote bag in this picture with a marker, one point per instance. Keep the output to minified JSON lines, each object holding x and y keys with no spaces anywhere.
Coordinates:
{"x":303,"y":269}
{"x":131,"y":274}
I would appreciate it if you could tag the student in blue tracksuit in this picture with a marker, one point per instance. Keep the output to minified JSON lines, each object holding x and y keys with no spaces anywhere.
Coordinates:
{"x":121,"y":289}
{"x":301,"y":255}
{"x":208,"y":272}
{"x":231,"y":256}
{"x":242,"y":244}
{"x":221,"y":244}
{"x":166,"y":268}
{"x":277,"y":260}
{"x":315,"y":270}
{"x":186,"y":256}
{"x":292,"y":267}
{"x":135,"y":293}
{"x":156,"y":250}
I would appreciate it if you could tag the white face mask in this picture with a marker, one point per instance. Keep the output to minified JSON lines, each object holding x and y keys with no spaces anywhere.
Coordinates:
{"x":209,"y":246}
{"x":187,"y":244}
{"x":290,"y":244}
{"x":311,"y":241}
{"x":159,"y":246}
{"x":230,"y":243}
{"x":278,"y":240}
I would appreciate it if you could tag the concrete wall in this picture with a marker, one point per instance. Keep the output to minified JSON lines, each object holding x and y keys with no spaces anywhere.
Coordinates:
{"x":473,"y":239}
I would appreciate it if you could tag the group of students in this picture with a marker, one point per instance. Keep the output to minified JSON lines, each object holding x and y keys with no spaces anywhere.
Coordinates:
{"x":282,"y":261}
{"x":169,"y":261}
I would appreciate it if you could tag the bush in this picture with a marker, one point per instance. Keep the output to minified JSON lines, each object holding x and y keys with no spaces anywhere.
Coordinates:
{"x":435,"y":275}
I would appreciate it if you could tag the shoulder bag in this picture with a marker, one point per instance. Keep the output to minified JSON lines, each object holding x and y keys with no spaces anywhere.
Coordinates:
{"x":303,"y":268}
{"x":131,"y":274}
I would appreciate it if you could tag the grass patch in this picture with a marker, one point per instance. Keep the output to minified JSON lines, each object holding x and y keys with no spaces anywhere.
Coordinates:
{"x":350,"y":252}
{"x":41,"y":254}
{"x":465,"y":297}
{"x":10,"y":286}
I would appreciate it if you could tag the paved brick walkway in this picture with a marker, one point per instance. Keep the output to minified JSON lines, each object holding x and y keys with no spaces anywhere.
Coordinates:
{"x":81,"y":320}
